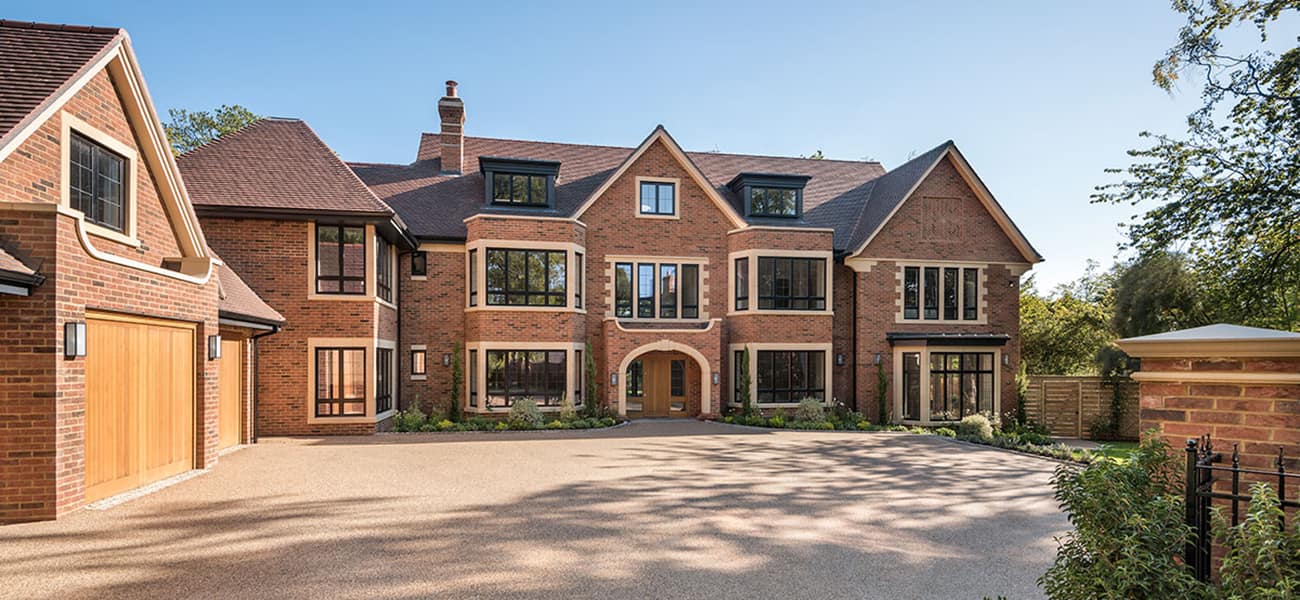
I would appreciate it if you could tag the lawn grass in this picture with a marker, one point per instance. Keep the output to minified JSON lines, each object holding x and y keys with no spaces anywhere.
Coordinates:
{"x":1116,"y":450}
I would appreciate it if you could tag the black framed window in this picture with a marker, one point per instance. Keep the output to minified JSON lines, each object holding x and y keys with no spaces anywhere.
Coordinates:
{"x":736,"y":358}
{"x":97,"y":183}
{"x":789,"y":376}
{"x":931,"y":293}
{"x":970,"y":294}
{"x":538,"y":375}
{"x":578,"y":370}
{"x":526,"y":277}
{"x":383,"y":269}
{"x":773,"y":202}
{"x":473,"y":378}
{"x":658,"y":198}
{"x":950,"y":293}
{"x":635,"y":379}
{"x":677,"y":378}
{"x":645,"y":291}
{"x":786,"y":283}
{"x":383,"y":380}
{"x":340,"y":259}
{"x":623,"y":290}
{"x":690,"y":291}
{"x":667,"y":291}
{"x":961,"y":384}
{"x":519,"y":190}
{"x":911,"y":293}
{"x":473,"y":277}
{"x":419,"y":263}
{"x":579,"y":272}
{"x":340,"y":382}
{"x":912,"y":386}
{"x":418,"y":365}
{"x":742,"y":284}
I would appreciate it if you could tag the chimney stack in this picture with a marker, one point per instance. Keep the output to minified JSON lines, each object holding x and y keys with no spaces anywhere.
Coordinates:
{"x":451,"y":111}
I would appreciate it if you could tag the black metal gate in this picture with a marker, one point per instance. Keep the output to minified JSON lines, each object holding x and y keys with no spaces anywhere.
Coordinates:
{"x":1204,"y":470}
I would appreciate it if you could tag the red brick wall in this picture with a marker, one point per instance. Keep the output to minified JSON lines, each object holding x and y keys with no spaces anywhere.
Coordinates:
{"x":1207,"y":397}
{"x":272,"y":258}
{"x":44,"y":394}
{"x":433,"y":314}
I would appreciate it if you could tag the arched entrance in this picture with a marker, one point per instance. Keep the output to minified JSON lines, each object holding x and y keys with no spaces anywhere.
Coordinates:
{"x":664,"y":379}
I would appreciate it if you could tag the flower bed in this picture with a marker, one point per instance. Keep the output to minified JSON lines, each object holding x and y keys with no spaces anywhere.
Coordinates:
{"x":524,"y":416}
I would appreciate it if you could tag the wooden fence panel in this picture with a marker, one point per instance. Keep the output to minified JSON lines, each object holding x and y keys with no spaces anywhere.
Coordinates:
{"x":1068,"y":404}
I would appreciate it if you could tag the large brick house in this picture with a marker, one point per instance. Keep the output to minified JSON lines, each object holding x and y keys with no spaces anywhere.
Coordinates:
{"x":662,"y":263}
{"x":126,"y":346}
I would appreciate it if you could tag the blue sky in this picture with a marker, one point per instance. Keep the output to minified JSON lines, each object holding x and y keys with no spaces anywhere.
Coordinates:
{"x":1040,"y":96}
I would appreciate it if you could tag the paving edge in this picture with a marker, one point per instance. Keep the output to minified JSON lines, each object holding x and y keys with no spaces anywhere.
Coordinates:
{"x":139,"y":492}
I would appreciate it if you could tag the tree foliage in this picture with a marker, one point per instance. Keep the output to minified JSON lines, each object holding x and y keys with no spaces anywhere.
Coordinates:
{"x":188,"y":130}
{"x":1062,"y":332}
{"x":1227,"y":194}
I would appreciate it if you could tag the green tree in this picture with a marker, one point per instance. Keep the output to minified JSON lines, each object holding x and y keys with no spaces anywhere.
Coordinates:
{"x":591,"y":402}
{"x":1155,"y":293}
{"x":1228,"y":193}
{"x":188,"y":130}
{"x":1061,"y":333}
{"x":457,"y":378}
{"x":746,"y":404}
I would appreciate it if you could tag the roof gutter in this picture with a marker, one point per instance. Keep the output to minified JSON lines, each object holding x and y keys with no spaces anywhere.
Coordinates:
{"x":15,"y":283}
{"x":233,"y":320}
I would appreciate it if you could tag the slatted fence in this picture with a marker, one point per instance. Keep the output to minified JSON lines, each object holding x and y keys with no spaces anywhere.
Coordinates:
{"x":1068,"y":404}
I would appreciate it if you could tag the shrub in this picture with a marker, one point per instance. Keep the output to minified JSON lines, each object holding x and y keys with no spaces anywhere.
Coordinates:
{"x":580,"y":424}
{"x":810,"y":410}
{"x":729,"y":419}
{"x":477,"y":423}
{"x":410,"y":419}
{"x":747,"y":406}
{"x":557,"y":424}
{"x":501,"y":426}
{"x":777,"y":421}
{"x":457,"y":379}
{"x":977,"y":427}
{"x":590,"y":402}
{"x":608,"y":421}
{"x":1128,"y":532}
{"x":525,"y":415}
{"x":445,"y":425}
{"x":945,"y":432}
{"x":1263,"y":556}
{"x":567,"y":413}
{"x":864,"y":425}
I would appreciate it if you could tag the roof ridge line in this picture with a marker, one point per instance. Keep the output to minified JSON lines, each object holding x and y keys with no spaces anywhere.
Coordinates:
{"x":58,"y":26}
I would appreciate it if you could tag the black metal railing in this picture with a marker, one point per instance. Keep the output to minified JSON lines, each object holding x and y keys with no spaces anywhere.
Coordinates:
{"x":1204,"y":470}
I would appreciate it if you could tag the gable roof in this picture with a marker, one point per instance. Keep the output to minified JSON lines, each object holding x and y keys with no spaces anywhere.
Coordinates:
{"x":275,"y":165}
{"x":43,"y":78}
{"x":895,"y":187}
{"x":434,"y":205}
{"x":37,"y":61}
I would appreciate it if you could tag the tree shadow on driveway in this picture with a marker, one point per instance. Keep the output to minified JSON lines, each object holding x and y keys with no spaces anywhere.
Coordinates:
{"x":721,"y":513}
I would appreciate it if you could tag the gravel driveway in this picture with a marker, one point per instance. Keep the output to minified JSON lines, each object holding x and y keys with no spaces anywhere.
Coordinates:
{"x":667,"y":509}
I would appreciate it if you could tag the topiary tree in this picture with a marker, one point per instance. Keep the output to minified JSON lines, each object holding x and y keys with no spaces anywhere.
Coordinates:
{"x":882,"y":393}
{"x":591,"y":402}
{"x":457,"y":378}
{"x":746,"y":405}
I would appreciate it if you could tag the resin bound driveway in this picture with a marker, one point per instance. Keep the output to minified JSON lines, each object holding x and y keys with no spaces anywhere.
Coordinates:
{"x":676,"y":509}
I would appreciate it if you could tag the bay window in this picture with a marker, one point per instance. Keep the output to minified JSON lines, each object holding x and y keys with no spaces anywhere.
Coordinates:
{"x":742,"y":284}
{"x":787,"y":377}
{"x":526,"y":277}
{"x":383,"y":380}
{"x":623,"y":290}
{"x":383,"y":269}
{"x":340,"y":382}
{"x":789,"y":283}
{"x":947,"y":384}
{"x":340,"y":259}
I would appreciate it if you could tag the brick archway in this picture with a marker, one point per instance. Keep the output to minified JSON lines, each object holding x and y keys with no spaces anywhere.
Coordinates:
{"x":706,"y":383}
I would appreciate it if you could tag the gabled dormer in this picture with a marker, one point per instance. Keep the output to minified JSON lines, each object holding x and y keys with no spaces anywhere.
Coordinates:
{"x":776,"y":195}
{"x":518,"y":182}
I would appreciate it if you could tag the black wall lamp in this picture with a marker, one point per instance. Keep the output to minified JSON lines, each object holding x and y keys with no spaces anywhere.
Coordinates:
{"x":74,"y":339}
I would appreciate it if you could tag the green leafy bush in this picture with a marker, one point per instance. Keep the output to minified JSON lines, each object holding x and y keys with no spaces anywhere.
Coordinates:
{"x":557,"y":424}
{"x":977,"y":427}
{"x":776,"y":421}
{"x":608,"y":421}
{"x":567,"y":413}
{"x":445,"y":425}
{"x":945,"y":432}
{"x":810,"y":411}
{"x":524,"y":414}
{"x":408,"y":420}
{"x":477,"y":423}
{"x":1128,"y":532}
{"x":1263,"y":557}
{"x":864,"y":425}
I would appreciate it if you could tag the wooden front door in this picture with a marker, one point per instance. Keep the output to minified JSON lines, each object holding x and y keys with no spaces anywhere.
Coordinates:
{"x":659,"y":388}
{"x":231,"y":383}
{"x":139,"y":402}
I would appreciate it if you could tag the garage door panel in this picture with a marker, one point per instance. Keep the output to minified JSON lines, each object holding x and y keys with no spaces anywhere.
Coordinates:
{"x":230,"y":381}
{"x":139,"y":402}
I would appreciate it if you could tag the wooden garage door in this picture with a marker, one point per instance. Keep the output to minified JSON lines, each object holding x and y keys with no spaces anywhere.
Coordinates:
{"x":230,"y":381}
{"x":139,"y":402}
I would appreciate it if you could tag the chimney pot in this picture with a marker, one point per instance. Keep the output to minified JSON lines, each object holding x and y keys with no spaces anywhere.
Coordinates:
{"x":451,"y":113}
{"x":451,"y":88}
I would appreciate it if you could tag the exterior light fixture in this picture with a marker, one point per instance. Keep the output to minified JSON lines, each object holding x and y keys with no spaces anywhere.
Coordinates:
{"x":214,"y":347}
{"x":446,"y":359}
{"x":613,"y":378}
{"x":1006,"y":360}
{"x":877,"y":358}
{"x":839,"y":359}
{"x":74,"y":339}
{"x":716,"y":378}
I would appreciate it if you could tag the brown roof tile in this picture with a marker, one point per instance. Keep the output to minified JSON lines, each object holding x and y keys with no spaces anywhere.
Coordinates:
{"x":39,"y":60}
{"x":275,"y":164}
{"x":434,"y":205}
{"x":9,"y":262}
